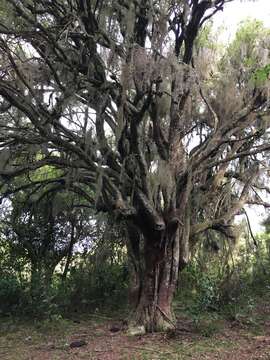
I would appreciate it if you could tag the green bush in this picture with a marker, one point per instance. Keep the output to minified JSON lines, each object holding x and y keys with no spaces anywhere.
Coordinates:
{"x":214,"y":282}
{"x":93,"y":287}
{"x":201,"y":288}
{"x":11,"y":294}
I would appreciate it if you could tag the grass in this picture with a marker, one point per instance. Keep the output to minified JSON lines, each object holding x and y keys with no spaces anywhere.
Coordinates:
{"x":208,"y":334}
{"x":21,"y":339}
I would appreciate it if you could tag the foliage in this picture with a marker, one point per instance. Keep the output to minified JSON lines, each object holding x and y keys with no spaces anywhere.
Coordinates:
{"x":97,"y":277}
{"x":11,"y":295}
{"x":96,"y":288}
{"x":93,"y":288}
{"x":262,"y":75}
{"x":227,"y":285}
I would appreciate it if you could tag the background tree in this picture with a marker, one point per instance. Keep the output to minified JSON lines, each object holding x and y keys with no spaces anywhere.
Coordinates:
{"x":112,"y":94}
{"x":44,"y":231}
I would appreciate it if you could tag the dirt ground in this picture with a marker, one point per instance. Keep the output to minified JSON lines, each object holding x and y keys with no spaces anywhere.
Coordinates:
{"x":246,"y":338}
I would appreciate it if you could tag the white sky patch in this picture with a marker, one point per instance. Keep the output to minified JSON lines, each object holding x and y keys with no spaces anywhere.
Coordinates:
{"x":237,"y":11}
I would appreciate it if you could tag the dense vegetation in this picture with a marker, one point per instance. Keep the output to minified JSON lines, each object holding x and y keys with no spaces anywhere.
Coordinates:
{"x":222,"y":277}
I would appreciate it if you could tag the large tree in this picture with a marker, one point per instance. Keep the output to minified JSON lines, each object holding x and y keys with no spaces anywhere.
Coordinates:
{"x":120,"y":97}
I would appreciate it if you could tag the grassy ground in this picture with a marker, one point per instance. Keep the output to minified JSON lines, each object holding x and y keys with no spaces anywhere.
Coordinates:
{"x":245,"y":336}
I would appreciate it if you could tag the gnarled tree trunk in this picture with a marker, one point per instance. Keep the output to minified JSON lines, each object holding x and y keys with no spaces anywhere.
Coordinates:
{"x":154,"y":309}
{"x":156,"y":267}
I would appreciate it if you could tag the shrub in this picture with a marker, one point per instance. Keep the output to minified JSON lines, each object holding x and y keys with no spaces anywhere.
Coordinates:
{"x":93,"y":287}
{"x":11,"y":294}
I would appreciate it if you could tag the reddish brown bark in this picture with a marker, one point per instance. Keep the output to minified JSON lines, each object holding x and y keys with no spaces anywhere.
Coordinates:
{"x":154,"y":309}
